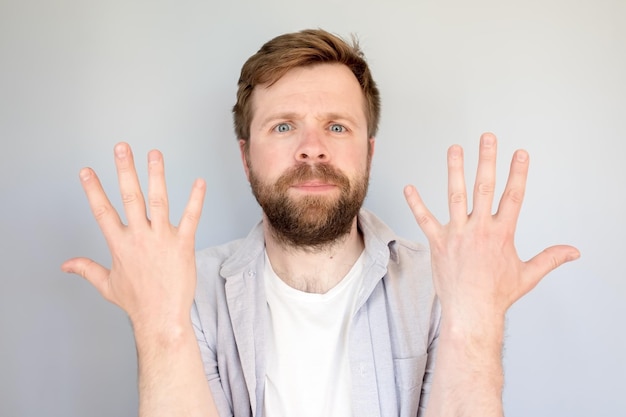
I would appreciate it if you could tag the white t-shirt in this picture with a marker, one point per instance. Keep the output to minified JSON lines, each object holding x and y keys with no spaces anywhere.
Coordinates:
{"x":308,"y":370}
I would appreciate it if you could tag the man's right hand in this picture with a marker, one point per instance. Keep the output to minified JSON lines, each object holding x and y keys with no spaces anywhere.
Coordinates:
{"x":153,"y":272}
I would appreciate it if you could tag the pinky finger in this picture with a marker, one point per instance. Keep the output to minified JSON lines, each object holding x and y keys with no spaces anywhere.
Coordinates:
{"x":191,"y":216}
{"x":425,"y":220}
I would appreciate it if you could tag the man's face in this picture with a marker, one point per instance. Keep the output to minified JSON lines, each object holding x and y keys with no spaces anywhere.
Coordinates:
{"x":309,"y":154}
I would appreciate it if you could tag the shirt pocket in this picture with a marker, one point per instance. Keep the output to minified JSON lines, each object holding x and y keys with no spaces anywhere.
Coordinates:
{"x":409,"y":375}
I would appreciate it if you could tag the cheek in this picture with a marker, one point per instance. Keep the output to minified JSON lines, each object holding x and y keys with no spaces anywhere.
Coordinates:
{"x":268,"y":165}
{"x":358,"y":161}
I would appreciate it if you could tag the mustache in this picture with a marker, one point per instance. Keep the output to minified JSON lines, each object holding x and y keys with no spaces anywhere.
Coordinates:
{"x":310,"y":172}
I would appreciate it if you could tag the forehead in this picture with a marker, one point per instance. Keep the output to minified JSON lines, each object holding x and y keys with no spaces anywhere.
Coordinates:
{"x":320,"y":88}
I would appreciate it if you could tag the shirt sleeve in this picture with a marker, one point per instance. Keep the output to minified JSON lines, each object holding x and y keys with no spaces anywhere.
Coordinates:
{"x":432,"y":356}
{"x":211,"y":370}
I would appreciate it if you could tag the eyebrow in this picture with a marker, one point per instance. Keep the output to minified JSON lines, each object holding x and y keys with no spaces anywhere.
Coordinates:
{"x":296,"y":116}
{"x":280,"y":116}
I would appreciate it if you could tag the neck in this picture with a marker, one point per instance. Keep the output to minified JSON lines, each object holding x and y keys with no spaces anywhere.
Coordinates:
{"x":314,"y":270}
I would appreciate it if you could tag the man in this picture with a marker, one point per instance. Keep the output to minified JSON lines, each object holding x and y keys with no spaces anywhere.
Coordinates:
{"x":321,"y":310}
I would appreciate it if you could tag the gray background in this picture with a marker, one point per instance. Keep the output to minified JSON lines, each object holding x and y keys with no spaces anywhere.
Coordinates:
{"x":78,"y":76}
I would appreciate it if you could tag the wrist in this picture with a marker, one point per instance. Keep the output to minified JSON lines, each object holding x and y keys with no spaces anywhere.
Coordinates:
{"x":163,"y":333}
{"x":482,"y":334}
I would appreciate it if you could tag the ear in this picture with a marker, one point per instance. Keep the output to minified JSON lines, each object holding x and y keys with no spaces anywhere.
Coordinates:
{"x":244,"y":160}
{"x":372,"y":146}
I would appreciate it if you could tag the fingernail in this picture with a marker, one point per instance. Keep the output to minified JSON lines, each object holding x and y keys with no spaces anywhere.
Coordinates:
{"x":573,"y":255}
{"x":120,"y":150}
{"x":199,"y":183}
{"x":522,"y":156}
{"x":153,"y":157}
{"x":488,"y":140}
{"x":455,"y":151}
{"x":84,"y":174}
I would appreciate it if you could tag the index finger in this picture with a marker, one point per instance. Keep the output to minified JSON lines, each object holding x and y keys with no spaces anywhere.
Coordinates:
{"x":107,"y":217}
{"x":513,"y":196}
{"x":425,"y":219}
{"x":191,"y":215}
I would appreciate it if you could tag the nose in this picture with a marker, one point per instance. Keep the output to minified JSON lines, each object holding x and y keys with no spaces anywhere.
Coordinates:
{"x":312,"y":147}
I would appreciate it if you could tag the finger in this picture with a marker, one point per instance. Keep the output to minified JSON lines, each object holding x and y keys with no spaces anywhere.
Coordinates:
{"x":191,"y":216}
{"x":92,"y":271}
{"x":157,"y":191}
{"x":513,"y":196}
{"x":457,"y":193}
{"x":425,"y":220}
{"x":107,"y":217}
{"x":486,"y":176}
{"x":548,"y":260}
{"x":132,"y":197}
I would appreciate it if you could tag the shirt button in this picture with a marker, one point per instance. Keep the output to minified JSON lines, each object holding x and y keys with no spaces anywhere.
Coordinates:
{"x":362,"y":370}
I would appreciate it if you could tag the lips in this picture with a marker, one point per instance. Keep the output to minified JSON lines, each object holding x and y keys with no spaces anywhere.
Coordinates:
{"x":314,"y":183}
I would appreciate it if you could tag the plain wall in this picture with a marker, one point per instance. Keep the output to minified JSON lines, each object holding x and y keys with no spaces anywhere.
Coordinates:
{"x":78,"y":76}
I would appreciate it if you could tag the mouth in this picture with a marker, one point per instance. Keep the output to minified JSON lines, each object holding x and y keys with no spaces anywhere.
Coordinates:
{"x":314,"y":186}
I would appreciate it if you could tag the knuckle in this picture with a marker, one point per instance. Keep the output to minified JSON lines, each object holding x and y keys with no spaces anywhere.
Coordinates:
{"x":458,"y":198}
{"x":553,"y":259}
{"x":190,"y":216}
{"x":129,"y":198}
{"x":485,"y":188}
{"x":100,"y":212}
{"x":422,"y":219}
{"x":157,"y":202}
{"x":515,"y":195}
{"x":84,"y":270}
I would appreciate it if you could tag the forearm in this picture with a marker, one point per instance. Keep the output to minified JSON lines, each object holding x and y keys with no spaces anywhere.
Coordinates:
{"x":468,"y":377}
{"x":171,"y":377}
{"x":477,"y":276}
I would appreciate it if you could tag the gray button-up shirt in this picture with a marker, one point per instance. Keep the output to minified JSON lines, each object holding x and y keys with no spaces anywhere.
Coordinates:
{"x":393,"y":336}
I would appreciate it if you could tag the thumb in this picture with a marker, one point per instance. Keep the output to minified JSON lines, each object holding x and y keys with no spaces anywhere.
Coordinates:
{"x":548,"y":260}
{"x":92,"y":271}
{"x":424,"y":218}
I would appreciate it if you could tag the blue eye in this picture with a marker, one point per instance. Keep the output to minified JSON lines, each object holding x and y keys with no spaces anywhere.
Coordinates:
{"x":283,"y":127}
{"x":337,"y":128}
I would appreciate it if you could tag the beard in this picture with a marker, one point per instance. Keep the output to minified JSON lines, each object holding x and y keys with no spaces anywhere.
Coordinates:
{"x":310,"y":222}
